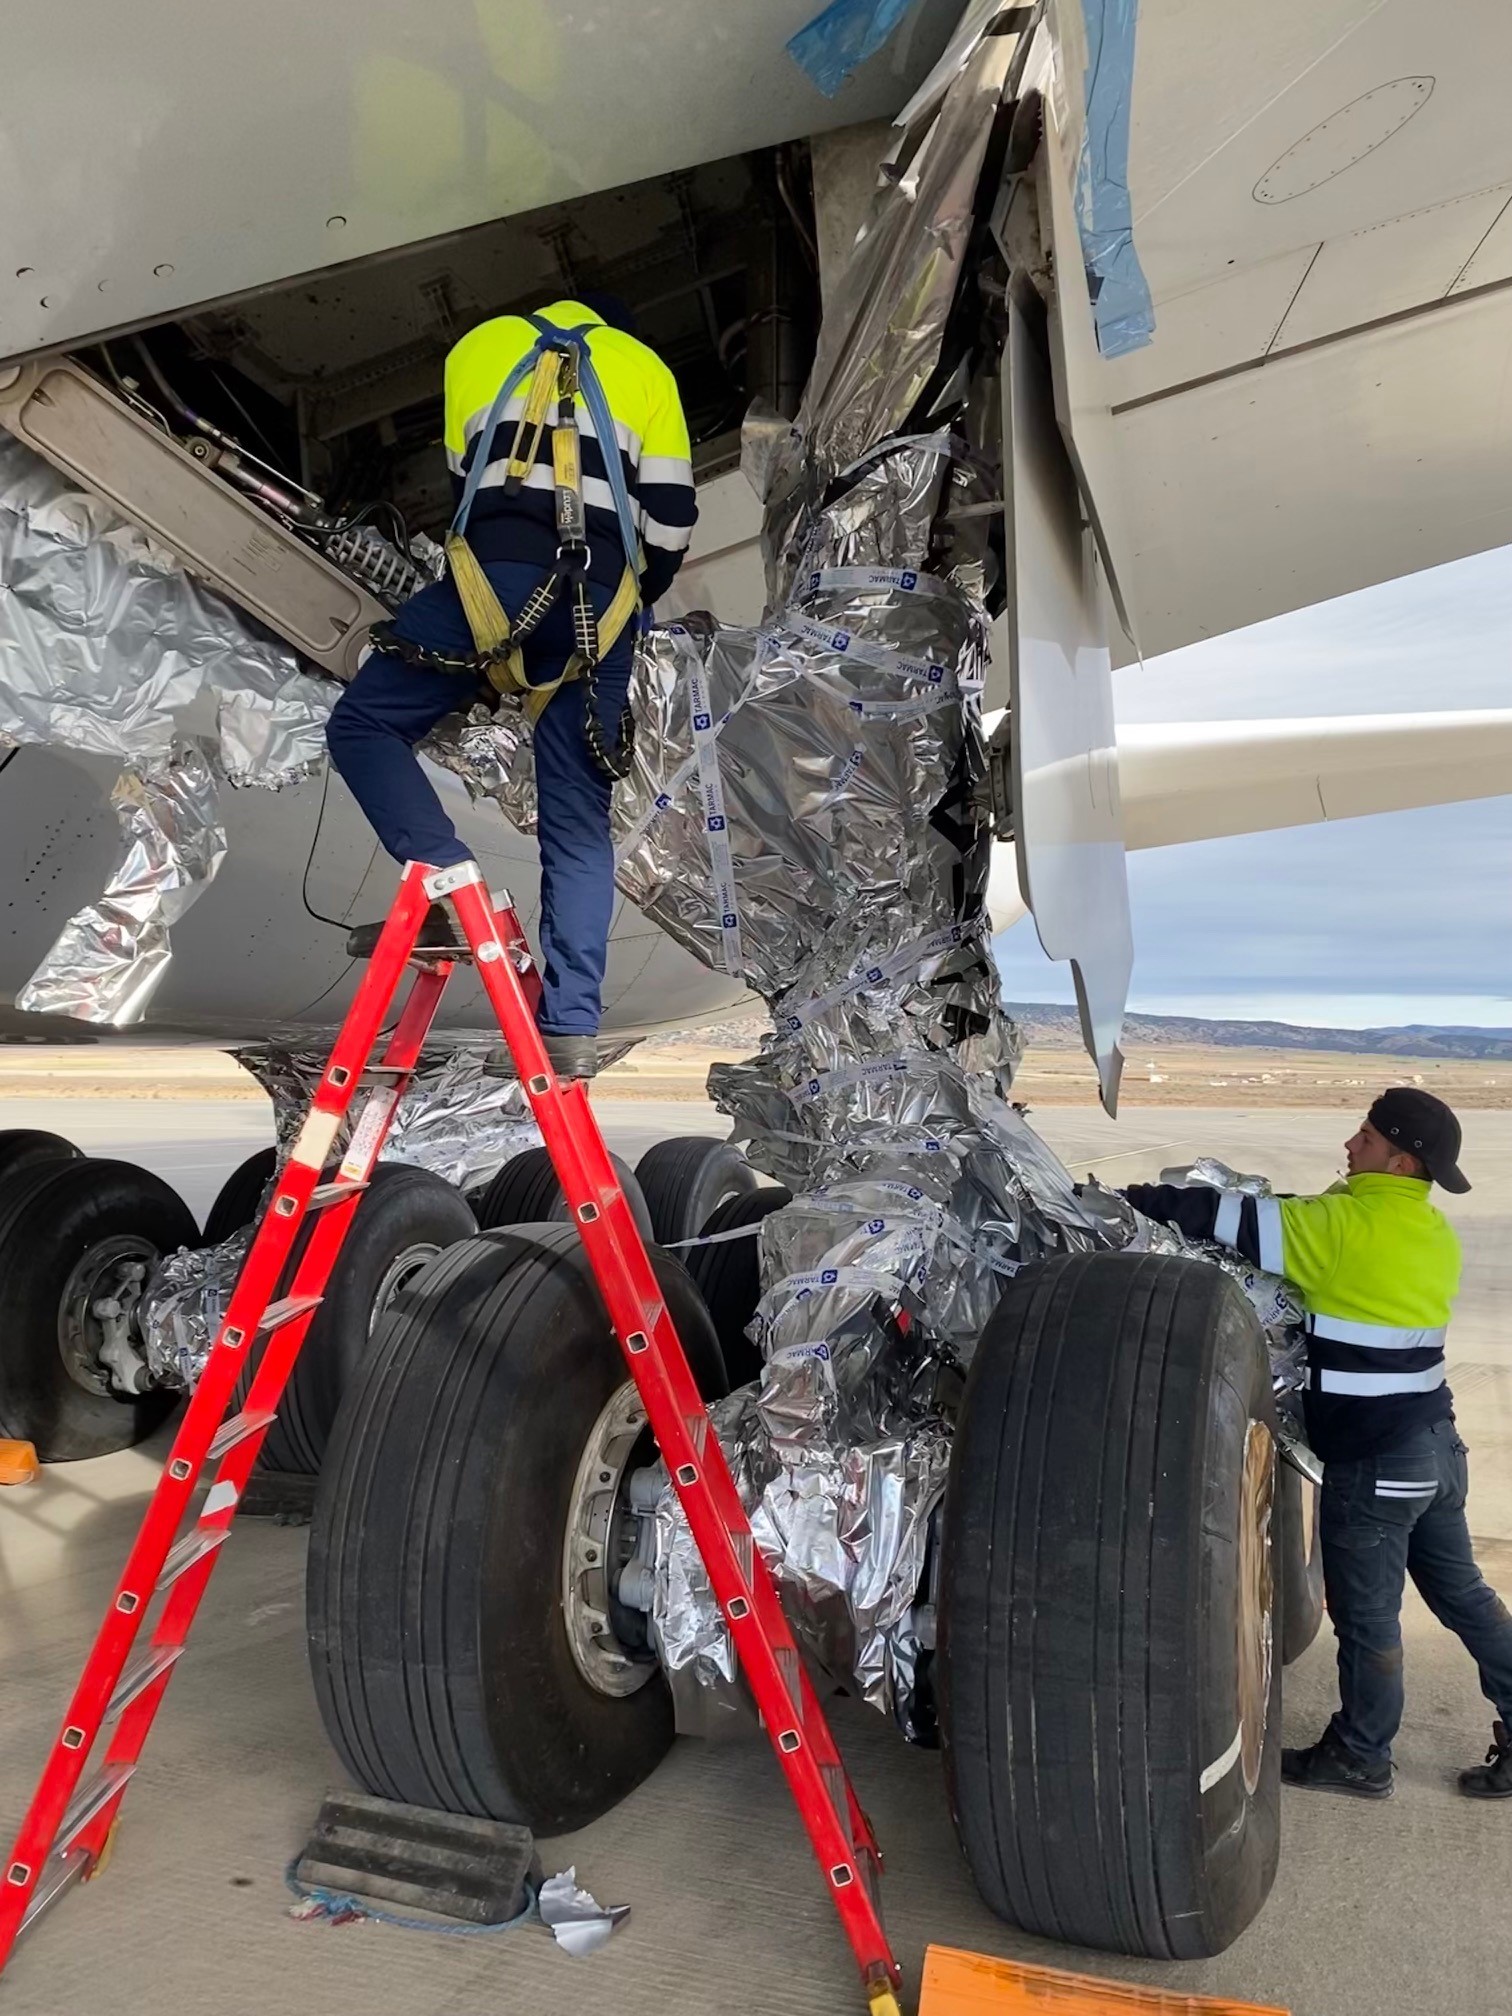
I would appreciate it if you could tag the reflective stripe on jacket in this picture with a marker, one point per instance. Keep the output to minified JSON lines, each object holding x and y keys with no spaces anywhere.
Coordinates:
{"x":652,"y":445}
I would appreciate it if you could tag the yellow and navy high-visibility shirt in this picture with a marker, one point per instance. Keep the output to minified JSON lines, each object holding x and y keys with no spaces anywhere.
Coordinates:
{"x":1378,"y":1267}
{"x":652,"y":446}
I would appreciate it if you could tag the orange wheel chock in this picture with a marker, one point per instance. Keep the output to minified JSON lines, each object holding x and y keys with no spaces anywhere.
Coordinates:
{"x":18,"y":1462}
{"x":971,"y":1984}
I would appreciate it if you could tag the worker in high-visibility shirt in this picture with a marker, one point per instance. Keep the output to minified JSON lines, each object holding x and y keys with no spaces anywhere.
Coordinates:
{"x":571,"y":524}
{"x":1379,"y":1268}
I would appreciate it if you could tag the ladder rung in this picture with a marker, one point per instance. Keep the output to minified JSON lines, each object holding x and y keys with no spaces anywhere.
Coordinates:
{"x":834,"y":1784}
{"x":194,"y":1546}
{"x":697,"y":1426}
{"x":787,"y":1666}
{"x":91,"y":1798}
{"x":140,"y":1674}
{"x":59,"y":1875}
{"x":238,"y":1428}
{"x":743,"y":1544}
{"x":325,"y":1194}
{"x":278,"y":1313}
{"x":390,"y":1070}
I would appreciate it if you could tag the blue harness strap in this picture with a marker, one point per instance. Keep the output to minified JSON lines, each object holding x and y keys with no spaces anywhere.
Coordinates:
{"x":549,"y":336}
{"x":483,"y":444}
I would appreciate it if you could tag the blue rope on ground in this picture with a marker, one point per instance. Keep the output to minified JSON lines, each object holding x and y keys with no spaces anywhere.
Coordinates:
{"x":340,"y":1907}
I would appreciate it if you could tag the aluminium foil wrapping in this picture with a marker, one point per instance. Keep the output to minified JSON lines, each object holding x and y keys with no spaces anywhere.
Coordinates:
{"x":104,"y":641}
{"x":807,"y":815}
{"x":109,"y":958}
{"x":462,"y":1116}
{"x":180,"y":1315}
{"x":810,"y":818}
{"x":105,"y":638}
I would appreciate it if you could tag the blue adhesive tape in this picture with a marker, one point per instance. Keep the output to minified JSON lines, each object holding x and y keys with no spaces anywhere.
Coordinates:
{"x":1122,"y":311}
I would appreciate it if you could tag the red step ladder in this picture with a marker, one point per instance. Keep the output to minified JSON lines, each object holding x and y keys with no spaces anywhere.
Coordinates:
{"x":68,"y":1828}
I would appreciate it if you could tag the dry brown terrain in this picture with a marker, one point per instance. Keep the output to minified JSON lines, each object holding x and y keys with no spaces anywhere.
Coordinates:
{"x":1172,"y":1075}
{"x":1206,"y":1075}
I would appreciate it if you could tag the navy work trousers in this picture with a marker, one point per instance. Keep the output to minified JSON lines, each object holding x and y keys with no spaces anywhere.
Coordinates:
{"x":1383,"y":1518}
{"x":390,"y":706}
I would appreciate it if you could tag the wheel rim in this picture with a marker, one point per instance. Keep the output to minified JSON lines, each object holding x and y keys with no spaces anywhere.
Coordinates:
{"x":1256,"y":1591}
{"x":80,"y":1335}
{"x":1309,"y":1517}
{"x":401,"y":1270}
{"x":599,"y":1525}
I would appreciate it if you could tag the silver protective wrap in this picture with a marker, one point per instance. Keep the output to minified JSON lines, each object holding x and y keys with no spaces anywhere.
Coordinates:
{"x":105,"y":640}
{"x":806,"y":813}
{"x":185,"y":1304}
{"x":463,"y":1115}
{"x":108,"y":959}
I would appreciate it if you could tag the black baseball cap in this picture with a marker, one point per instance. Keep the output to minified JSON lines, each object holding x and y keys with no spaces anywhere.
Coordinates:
{"x":1421,"y":1125}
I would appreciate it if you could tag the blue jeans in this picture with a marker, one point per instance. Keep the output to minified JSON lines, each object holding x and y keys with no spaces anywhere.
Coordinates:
{"x":1383,"y":1518}
{"x":390,"y":706}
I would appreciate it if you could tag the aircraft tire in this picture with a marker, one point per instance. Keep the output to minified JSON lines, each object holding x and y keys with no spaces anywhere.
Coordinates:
{"x":403,"y":1219}
{"x":1108,"y":1610}
{"x":66,"y":1227}
{"x":441,"y":1587}
{"x":527,"y":1191}
{"x":237,"y":1201}
{"x":32,"y":1148}
{"x":685,"y":1179}
{"x":728,"y":1275}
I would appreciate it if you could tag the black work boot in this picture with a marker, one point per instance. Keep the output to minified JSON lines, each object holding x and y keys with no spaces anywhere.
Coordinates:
{"x":439,"y":933}
{"x":572,"y":1056}
{"x":1493,"y":1779}
{"x":1331,"y":1766}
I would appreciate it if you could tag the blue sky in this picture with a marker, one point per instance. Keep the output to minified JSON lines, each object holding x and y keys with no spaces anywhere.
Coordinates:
{"x":1405,"y":917}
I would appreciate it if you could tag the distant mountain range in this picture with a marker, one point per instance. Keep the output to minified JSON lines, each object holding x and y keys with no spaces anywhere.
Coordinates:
{"x":1058,"y":1027}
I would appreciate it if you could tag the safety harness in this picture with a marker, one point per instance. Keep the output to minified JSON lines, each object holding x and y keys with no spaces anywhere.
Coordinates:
{"x":559,"y":366}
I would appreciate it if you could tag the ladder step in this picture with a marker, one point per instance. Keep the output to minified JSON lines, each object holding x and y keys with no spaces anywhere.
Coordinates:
{"x":194,"y":1546}
{"x":389,"y":1071}
{"x":59,"y":1875}
{"x":140,"y":1674}
{"x":834,"y":1784}
{"x":278,"y":1313}
{"x":92,"y":1797}
{"x":787,"y":1666}
{"x":239,"y":1427}
{"x":326,"y":1194}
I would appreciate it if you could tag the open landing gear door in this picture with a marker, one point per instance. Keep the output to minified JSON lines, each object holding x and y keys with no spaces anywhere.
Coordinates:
{"x":1067,"y":819}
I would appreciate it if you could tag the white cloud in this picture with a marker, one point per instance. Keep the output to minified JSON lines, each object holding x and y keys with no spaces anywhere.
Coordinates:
{"x":1405,"y":917}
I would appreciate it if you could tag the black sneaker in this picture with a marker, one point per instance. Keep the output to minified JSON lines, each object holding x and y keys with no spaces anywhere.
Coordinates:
{"x":439,"y":933}
{"x":1330,"y":1766}
{"x":1493,"y":1779}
